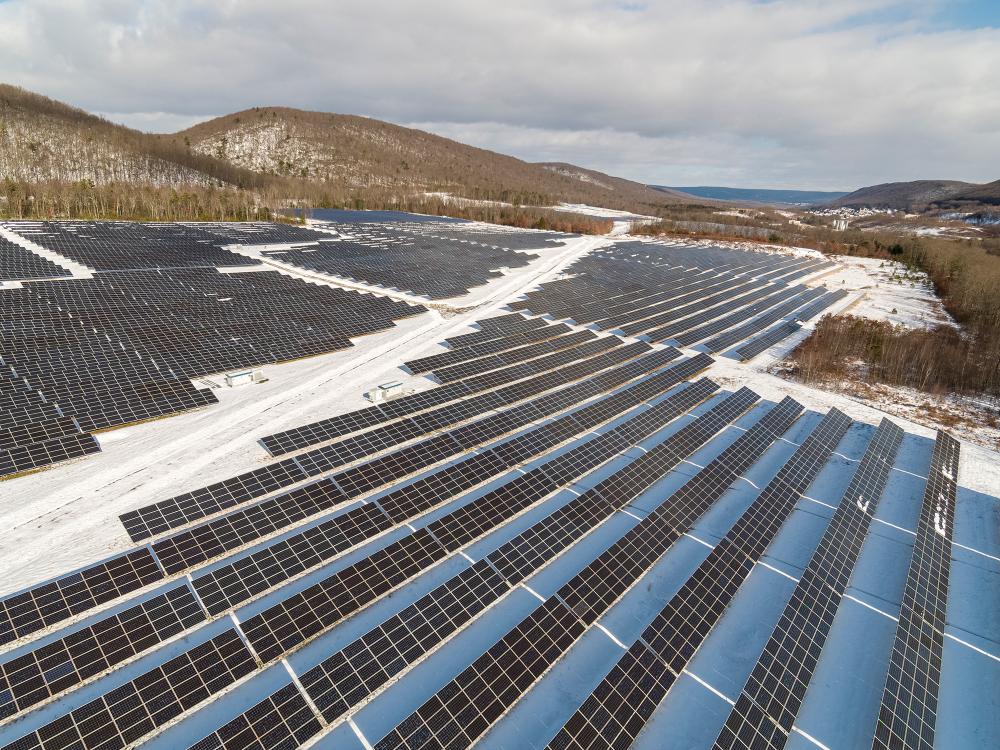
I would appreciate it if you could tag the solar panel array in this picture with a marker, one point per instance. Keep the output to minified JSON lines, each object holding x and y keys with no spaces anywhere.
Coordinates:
{"x":464,"y":708}
{"x":481,"y":385}
{"x":433,"y":259}
{"x":87,"y":354}
{"x":269,"y":609}
{"x":418,"y":549}
{"x":358,"y":671}
{"x":478,"y":349}
{"x":129,"y":245}
{"x":50,"y":603}
{"x":765,"y":710}
{"x":620,"y":706}
{"x":17,"y":263}
{"x":365,"y":477}
{"x":766,"y":340}
{"x":682,"y":294}
{"x":908,"y":714}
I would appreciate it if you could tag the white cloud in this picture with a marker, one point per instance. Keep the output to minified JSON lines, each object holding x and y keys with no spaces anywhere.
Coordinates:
{"x":155,"y":122}
{"x":786,"y":93}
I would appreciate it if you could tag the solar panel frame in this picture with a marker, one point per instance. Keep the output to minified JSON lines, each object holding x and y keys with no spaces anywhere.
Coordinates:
{"x":43,"y":672}
{"x":908,"y":713}
{"x":678,"y":630}
{"x":49,"y":603}
{"x":767,"y":705}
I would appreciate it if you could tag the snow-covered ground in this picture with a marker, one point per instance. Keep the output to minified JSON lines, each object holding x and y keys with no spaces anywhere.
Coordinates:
{"x":603,"y":213}
{"x":77,"y":503}
{"x":459,"y":201}
{"x":887,"y":290}
{"x":66,"y":517}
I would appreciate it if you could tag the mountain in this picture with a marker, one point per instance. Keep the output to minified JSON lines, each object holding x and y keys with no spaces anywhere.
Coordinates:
{"x":289,"y":155}
{"x":44,"y":140}
{"x":988,"y":195}
{"x":755,"y":195}
{"x":631,"y":191}
{"x":918,"y":195}
{"x":360,"y":152}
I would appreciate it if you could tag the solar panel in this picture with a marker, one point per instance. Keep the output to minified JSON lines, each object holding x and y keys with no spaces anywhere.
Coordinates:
{"x":59,"y":665}
{"x":434,"y":260}
{"x":766,"y":340}
{"x":734,"y":335}
{"x":766,"y":708}
{"x":282,"y":720}
{"x":503,"y":359}
{"x":230,"y":584}
{"x":327,"y":429}
{"x":810,"y":311}
{"x":465,"y":708}
{"x":477,"y":697}
{"x":122,"y":716}
{"x":645,"y":286}
{"x":50,"y":603}
{"x":17,"y":263}
{"x":908,"y":714}
{"x":476,"y":349}
{"x":380,"y":470}
{"x":753,"y":295}
{"x":25,"y":457}
{"x":778,"y":299}
{"x":361,"y":667}
{"x":301,"y":616}
{"x":282,"y":626}
{"x":490,"y":332}
{"x":680,"y":628}
{"x":124,"y":345}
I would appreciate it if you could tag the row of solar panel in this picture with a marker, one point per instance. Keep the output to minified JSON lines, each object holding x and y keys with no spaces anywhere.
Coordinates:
{"x":686,"y":301}
{"x":604,"y":288}
{"x":677,"y":632}
{"x":188,"y":548}
{"x":122,"y":245}
{"x":72,"y":659}
{"x":50,"y":603}
{"x":123,"y":346}
{"x":437,"y":261}
{"x":479,"y":695}
{"x":327,"y":429}
{"x":490,"y":346}
{"x":575,"y":363}
{"x":418,"y":551}
{"x":17,"y":263}
{"x":472,"y":718}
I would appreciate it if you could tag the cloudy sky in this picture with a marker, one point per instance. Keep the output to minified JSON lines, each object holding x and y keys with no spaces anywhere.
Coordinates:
{"x":816,"y":94}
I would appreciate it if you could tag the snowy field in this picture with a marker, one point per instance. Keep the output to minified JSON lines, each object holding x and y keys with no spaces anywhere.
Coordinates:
{"x":66,"y":517}
{"x":77,"y":503}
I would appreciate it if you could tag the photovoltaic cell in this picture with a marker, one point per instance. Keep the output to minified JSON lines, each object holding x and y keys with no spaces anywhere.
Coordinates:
{"x":765,"y":710}
{"x":908,"y":714}
{"x":124,"y":715}
{"x":59,"y":665}
{"x":676,"y":633}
